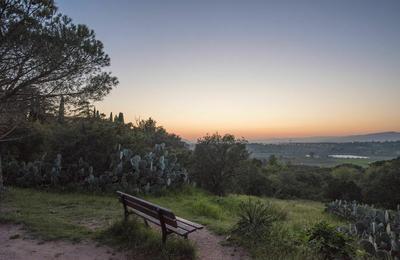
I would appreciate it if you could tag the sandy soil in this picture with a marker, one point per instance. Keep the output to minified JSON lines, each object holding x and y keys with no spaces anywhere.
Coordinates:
{"x":15,"y":244}
{"x":209,"y":247}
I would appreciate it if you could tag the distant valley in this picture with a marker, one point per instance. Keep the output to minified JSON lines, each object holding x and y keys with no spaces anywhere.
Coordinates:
{"x":372,"y":137}
{"x":327,"y":153}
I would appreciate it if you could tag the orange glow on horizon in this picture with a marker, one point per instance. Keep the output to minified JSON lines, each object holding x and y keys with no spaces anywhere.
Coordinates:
{"x":288,"y":130}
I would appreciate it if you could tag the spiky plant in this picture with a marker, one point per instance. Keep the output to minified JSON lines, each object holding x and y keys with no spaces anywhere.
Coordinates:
{"x":256,"y":219}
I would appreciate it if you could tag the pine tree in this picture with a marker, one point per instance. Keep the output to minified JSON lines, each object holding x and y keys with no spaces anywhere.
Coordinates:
{"x":97,"y":114}
{"x":111,"y":117}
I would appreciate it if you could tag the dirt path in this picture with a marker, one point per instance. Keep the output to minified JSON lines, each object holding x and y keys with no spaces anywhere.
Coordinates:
{"x":209,"y":247}
{"x":15,"y":244}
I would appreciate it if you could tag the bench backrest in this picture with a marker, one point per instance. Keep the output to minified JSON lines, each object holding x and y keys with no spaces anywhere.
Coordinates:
{"x":148,"y":208}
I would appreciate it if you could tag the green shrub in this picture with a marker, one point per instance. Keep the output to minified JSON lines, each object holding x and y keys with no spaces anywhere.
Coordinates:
{"x":256,"y":219}
{"x":141,"y":240}
{"x":329,"y":243}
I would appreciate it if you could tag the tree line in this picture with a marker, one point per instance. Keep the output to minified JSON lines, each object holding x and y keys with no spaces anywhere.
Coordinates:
{"x":222,"y":164}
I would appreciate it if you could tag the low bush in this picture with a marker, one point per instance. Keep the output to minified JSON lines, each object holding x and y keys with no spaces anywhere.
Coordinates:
{"x":329,"y":243}
{"x":132,"y":235}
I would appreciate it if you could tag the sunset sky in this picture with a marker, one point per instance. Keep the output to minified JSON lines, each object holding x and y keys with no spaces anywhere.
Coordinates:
{"x":257,"y":69}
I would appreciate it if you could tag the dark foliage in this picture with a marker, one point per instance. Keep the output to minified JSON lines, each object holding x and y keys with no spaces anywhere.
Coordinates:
{"x":95,"y":154}
{"x":216,"y":160}
{"x":326,"y":241}
{"x":380,"y":185}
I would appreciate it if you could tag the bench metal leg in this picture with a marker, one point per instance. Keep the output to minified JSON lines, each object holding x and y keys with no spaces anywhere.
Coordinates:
{"x":163,"y":227}
{"x":126,"y":213}
{"x":164,"y":237}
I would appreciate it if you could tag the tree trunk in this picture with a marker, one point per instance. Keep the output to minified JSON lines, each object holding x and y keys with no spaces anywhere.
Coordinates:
{"x":1,"y":177}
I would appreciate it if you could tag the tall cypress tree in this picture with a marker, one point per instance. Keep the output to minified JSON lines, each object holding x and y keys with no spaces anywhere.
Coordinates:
{"x":121,"y":118}
{"x":61,"y":110}
{"x":1,"y":177}
{"x":111,"y":117}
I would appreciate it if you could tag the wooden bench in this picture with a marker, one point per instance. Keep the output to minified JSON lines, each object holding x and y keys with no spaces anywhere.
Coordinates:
{"x":157,"y":215}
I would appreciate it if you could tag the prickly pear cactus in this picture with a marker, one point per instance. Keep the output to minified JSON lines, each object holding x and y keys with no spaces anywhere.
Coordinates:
{"x":152,"y":172}
{"x":379,"y":230}
{"x":56,"y":170}
{"x":149,"y":172}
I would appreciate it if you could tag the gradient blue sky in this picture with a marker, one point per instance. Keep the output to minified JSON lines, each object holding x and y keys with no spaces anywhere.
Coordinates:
{"x":256,"y":69}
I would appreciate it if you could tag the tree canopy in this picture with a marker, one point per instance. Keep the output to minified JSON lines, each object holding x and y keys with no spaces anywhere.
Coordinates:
{"x":44,"y":56}
{"x":216,"y":161}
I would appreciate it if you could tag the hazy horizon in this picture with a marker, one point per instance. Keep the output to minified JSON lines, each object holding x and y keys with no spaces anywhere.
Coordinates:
{"x":256,"y":69}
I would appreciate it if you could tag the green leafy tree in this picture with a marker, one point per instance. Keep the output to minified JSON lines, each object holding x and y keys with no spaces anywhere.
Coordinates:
{"x":344,"y":183}
{"x":273,"y":161}
{"x":252,"y":180}
{"x":381,"y":182}
{"x":216,"y":160}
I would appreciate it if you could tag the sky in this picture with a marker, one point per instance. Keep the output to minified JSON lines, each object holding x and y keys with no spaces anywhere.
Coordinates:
{"x":256,"y":69}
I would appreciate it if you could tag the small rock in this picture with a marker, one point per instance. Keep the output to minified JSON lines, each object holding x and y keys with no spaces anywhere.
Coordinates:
{"x":16,"y":236}
{"x":58,"y":255}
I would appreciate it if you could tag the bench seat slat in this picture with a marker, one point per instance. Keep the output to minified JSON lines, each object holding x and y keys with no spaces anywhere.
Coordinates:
{"x":178,"y":230}
{"x":190,"y":223}
{"x":186,"y":227}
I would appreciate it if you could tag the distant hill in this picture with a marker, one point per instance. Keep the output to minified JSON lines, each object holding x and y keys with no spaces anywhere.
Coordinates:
{"x":373,"y":137}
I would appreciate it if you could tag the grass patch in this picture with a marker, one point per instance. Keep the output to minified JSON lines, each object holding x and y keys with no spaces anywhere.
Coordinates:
{"x":205,"y":209}
{"x":75,"y":216}
{"x":49,"y":215}
{"x":139,"y":238}
{"x":220,"y":214}
{"x":360,"y":162}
